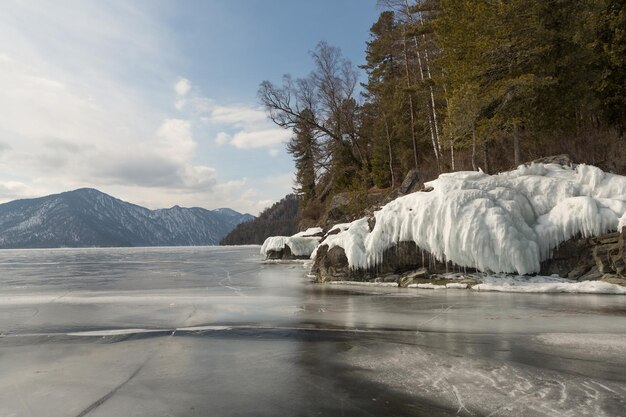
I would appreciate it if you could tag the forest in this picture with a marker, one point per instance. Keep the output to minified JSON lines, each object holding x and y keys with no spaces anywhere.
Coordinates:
{"x":455,"y":85}
{"x":278,"y":219}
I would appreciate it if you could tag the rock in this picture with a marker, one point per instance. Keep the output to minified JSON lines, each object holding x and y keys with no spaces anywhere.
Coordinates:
{"x":391,"y":278}
{"x":285,"y":253}
{"x":469,"y":281}
{"x":405,"y":280}
{"x":274,"y":254}
{"x":592,"y":275}
{"x":411,"y":183}
{"x":418,"y":273}
{"x":578,"y":271}
{"x":588,"y":258}
{"x":562,"y":159}
{"x":614,"y":279}
{"x":336,"y":209}
{"x":332,"y":265}
{"x":371,"y":222}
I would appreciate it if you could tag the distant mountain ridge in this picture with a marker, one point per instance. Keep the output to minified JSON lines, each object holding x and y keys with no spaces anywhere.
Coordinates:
{"x":87,"y":217}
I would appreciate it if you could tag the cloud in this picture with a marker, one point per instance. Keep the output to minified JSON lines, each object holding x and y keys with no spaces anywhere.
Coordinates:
{"x":259,"y":138}
{"x":182,"y":87}
{"x":222,"y":137}
{"x":175,"y":139}
{"x":238,"y":116}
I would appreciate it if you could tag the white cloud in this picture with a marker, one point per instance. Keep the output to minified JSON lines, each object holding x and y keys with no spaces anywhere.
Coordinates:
{"x":180,"y":104}
{"x":238,"y":116}
{"x":182,"y":87}
{"x":222,"y":138}
{"x":260,"y":138}
{"x":274,"y":152}
{"x":176,"y":140}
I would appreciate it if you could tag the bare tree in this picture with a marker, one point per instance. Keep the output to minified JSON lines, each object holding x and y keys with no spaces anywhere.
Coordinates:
{"x":328,"y":95}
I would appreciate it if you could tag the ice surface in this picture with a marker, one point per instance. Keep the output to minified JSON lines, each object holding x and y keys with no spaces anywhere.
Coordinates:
{"x":216,"y":332}
{"x":508,"y":222}
{"x":301,"y":244}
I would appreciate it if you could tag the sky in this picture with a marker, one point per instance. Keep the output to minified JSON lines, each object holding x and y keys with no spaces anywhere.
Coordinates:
{"x":154,"y":102}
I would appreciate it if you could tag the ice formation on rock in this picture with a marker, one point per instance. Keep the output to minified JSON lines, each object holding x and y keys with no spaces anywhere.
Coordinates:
{"x":508,"y":222}
{"x":622,"y":223}
{"x":301,"y":244}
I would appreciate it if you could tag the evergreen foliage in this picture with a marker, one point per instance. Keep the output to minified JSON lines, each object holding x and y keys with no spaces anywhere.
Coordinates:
{"x":278,"y":220}
{"x":459,"y":85}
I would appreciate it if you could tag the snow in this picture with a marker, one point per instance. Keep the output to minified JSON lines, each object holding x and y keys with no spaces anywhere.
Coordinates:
{"x":457,"y":285}
{"x":508,"y":222}
{"x":541,"y":284}
{"x":622,"y":222}
{"x":301,"y":244}
{"x":309,"y":232}
{"x":364,"y":284}
{"x":428,"y":286}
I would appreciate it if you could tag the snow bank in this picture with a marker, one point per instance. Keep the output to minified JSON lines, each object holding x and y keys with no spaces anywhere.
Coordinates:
{"x":508,"y":222}
{"x":541,"y":284}
{"x":301,"y":244}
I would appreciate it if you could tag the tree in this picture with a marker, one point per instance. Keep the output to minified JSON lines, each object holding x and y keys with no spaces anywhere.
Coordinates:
{"x":332,"y":111}
{"x":304,"y":148}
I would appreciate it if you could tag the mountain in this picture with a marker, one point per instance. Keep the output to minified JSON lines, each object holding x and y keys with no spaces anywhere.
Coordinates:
{"x":87,"y":217}
{"x":281,"y":219}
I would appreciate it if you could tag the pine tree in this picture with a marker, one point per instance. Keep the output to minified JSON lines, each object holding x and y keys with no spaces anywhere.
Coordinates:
{"x":304,"y":148}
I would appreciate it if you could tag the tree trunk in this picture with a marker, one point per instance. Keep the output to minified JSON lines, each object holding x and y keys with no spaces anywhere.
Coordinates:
{"x":432,"y":126}
{"x":452,"y":154}
{"x":408,"y":84}
{"x":393,"y":182}
{"x":473,"y":147}
{"x":516,"y":148}
{"x":485,"y":157}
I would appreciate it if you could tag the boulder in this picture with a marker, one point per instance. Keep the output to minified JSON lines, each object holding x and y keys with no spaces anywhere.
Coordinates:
{"x":285,"y":254}
{"x":562,"y":159}
{"x":411,"y":183}
{"x":586,"y":259}
{"x":332,"y":265}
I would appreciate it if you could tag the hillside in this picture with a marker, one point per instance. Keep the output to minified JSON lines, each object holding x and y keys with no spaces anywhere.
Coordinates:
{"x":281,"y":219}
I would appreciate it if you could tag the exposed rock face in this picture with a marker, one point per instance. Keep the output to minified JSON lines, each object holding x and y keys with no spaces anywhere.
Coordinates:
{"x":332,"y":265}
{"x":562,"y":159}
{"x":602,"y":257}
{"x":411,"y":183}
{"x":589,"y":259}
{"x":337,"y":207}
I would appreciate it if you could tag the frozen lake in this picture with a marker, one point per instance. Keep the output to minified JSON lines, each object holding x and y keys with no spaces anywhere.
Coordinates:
{"x":217,"y":332}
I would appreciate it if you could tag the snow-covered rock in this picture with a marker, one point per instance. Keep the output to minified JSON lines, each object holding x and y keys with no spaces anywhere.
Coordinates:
{"x":508,"y":222}
{"x":300,"y":245}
